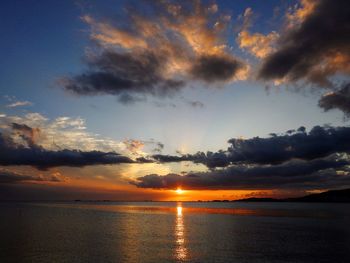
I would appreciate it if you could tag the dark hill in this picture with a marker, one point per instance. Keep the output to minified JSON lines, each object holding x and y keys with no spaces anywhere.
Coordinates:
{"x":333,"y":196}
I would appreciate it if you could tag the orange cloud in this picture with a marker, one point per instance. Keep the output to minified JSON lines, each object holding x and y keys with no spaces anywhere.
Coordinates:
{"x":257,"y":44}
{"x":106,"y":34}
{"x":298,"y":13}
{"x":179,"y":34}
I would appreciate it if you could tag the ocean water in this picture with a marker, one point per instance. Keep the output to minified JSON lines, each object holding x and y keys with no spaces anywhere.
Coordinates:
{"x":174,"y":232}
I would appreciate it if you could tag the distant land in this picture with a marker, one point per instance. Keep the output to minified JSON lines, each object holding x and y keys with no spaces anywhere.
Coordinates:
{"x":333,"y":196}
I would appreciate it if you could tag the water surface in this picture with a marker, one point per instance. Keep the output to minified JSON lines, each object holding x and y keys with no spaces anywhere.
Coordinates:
{"x":174,"y":232}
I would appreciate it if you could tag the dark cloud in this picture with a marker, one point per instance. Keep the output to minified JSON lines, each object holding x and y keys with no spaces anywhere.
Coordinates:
{"x":319,"y":173}
{"x":12,"y":153}
{"x":171,"y":158}
{"x":144,"y":160}
{"x":339,"y":99}
{"x":22,"y":127}
{"x":9,"y":177}
{"x":316,"y":49}
{"x":210,"y":159}
{"x":213,"y":68}
{"x":124,"y":74}
{"x":319,"y":142}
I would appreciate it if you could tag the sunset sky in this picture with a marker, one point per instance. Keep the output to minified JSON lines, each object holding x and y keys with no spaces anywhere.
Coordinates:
{"x":131,"y":100}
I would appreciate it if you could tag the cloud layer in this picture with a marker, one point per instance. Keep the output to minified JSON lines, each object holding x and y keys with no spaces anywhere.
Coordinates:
{"x":20,"y":145}
{"x":316,"y":174}
{"x":295,"y":160}
{"x":11,"y":177}
{"x":159,"y":52}
{"x":158,"y":48}
{"x":294,"y":144}
{"x":12,"y":153}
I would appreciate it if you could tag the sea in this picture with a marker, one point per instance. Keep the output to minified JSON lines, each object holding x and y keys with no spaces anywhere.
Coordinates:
{"x":174,"y":232}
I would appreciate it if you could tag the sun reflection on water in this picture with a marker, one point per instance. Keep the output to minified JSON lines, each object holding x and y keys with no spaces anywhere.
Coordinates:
{"x":181,"y":251}
{"x":179,"y":210}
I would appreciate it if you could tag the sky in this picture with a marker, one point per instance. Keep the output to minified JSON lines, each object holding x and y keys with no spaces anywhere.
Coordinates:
{"x":131,"y":100}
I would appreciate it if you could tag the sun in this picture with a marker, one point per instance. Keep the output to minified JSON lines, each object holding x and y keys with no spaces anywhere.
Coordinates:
{"x":179,"y":191}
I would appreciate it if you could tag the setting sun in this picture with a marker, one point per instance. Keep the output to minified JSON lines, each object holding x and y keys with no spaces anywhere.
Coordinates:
{"x":179,"y":191}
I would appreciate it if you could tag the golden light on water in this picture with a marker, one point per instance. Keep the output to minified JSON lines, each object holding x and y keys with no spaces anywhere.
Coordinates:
{"x":179,"y":211}
{"x":181,"y":251}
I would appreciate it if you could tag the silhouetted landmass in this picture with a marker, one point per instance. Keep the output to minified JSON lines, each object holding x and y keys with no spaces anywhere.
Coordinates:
{"x":338,"y":196}
{"x":333,"y":196}
{"x":264,"y":199}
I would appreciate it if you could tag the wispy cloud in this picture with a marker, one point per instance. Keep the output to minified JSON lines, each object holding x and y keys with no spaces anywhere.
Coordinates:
{"x":12,"y":177}
{"x":19,"y":104}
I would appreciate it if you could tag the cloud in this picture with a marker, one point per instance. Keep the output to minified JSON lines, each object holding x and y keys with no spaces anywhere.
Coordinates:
{"x":159,"y":147}
{"x":172,"y":158}
{"x":12,"y":153}
{"x":19,"y":146}
{"x":295,"y":174}
{"x":141,"y":147}
{"x":124,"y":73}
{"x":319,"y":142}
{"x":64,"y":134}
{"x":213,"y":68}
{"x":157,"y":53}
{"x":257,"y":44}
{"x":299,"y":12}
{"x":27,"y":133}
{"x":339,"y":99}
{"x":134,"y":146}
{"x":294,"y":144}
{"x":128,"y":99}
{"x":19,"y":104}
{"x":36,"y":141}
{"x":210,"y":159}
{"x":56,"y":134}
{"x":11,"y":177}
{"x":314,"y":47}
